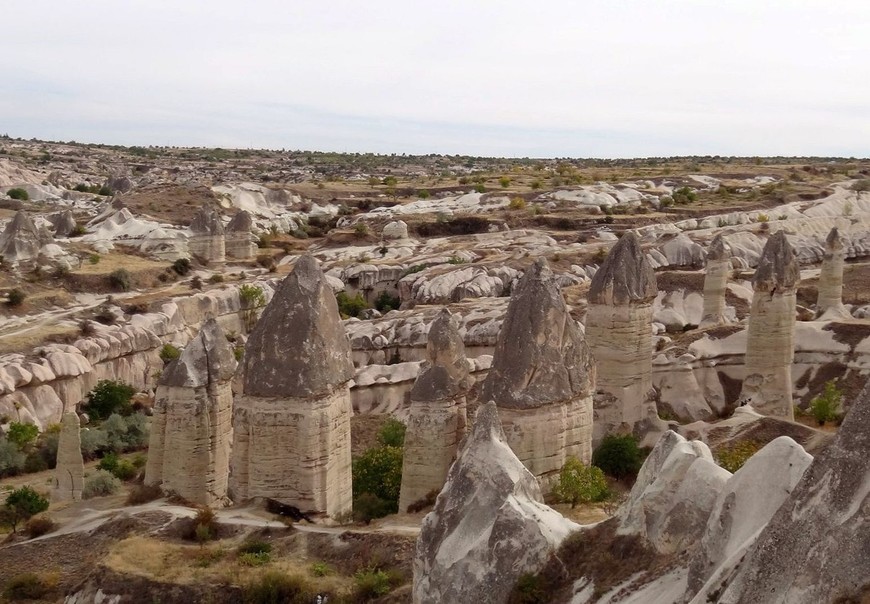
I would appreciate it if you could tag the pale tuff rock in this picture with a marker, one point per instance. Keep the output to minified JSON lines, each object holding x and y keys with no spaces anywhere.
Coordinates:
{"x":816,"y":546}
{"x":830,"y":301}
{"x":437,"y":418}
{"x":398,"y":229}
{"x":21,"y":240}
{"x":292,"y":423}
{"x":206,"y":241}
{"x":489,"y":525}
{"x":63,"y":222}
{"x":770,"y":342}
{"x":619,"y":332}
{"x":240,"y":244}
{"x":745,"y":505}
{"x":676,"y":489}
{"x":69,"y":474}
{"x":542,"y":377}
{"x":716,"y":282}
{"x":191,"y":430}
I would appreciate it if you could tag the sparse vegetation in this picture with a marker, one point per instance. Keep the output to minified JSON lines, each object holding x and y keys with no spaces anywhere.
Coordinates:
{"x":252,"y":298}
{"x":15,"y":297}
{"x":826,"y":407}
{"x":732,"y":457}
{"x":21,"y":504}
{"x":121,"y":279}
{"x":579,"y":483}
{"x":350,"y":306}
{"x":169,"y":353}
{"x":181,"y":266}
{"x":618,"y":455}
{"x":18,"y":193}
{"x":100,"y":484}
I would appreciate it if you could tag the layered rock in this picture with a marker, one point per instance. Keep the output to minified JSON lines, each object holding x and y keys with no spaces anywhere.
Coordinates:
{"x":816,"y":546}
{"x":436,"y":423}
{"x":489,"y":525}
{"x":21,"y":240}
{"x":716,"y":282}
{"x":206,"y":241}
{"x":619,"y":332}
{"x":62,"y":222}
{"x":239,"y":240}
{"x":69,"y":473}
{"x":542,"y":377}
{"x":770,"y":341}
{"x":191,"y":429}
{"x":830,"y":300}
{"x":292,"y":422}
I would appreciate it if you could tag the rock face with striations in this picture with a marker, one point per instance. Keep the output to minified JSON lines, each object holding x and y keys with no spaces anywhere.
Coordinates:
{"x":191,"y":430}
{"x":830,"y":301}
{"x":770,"y":342}
{"x":21,"y":241}
{"x":817,"y":545}
{"x":292,"y":422}
{"x":619,"y":332}
{"x":489,"y":525}
{"x":63,"y":222}
{"x":716,"y":282}
{"x":206,"y":240}
{"x":542,"y":377}
{"x":437,"y":418}
{"x":69,"y":473}
{"x":239,"y":239}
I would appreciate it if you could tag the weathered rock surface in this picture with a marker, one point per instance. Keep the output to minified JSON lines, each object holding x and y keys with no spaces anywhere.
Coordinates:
{"x":292,"y":422}
{"x":238,"y":237}
{"x":542,"y":377}
{"x":206,"y":240}
{"x":21,"y":240}
{"x":816,"y":546}
{"x":398,"y":229}
{"x":437,"y":420}
{"x":716,"y":282}
{"x":191,"y":429}
{"x":770,"y":342}
{"x":830,"y":300}
{"x":489,"y":525}
{"x":69,"y":474}
{"x":63,"y":223}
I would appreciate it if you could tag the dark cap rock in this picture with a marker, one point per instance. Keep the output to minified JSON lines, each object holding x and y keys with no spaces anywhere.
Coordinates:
{"x":207,"y":358}
{"x":719,"y":249}
{"x":446,"y":374}
{"x":207,"y":221}
{"x":778,"y":267}
{"x":625,"y":276}
{"x":241,"y":223}
{"x":833,"y":242}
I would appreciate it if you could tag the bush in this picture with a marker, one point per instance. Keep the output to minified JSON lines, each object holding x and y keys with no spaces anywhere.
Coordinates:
{"x":108,"y":463}
{"x":424,"y":194}
{"x":216,"y":278}
{"x":361,"y":229}
{"x":368,"y":507}
{"x":684,"y":196}
{"x":23,"y":503}
{"x":255,"y":546}
{"x":371,"y":584}
{"x":18,"y":193}
{"x":517,"y":203}
{"x":39,"y":526}
{"x":125,"y":471}
{"x":392,"y":433}
{"x":121,"y":279}
{"x":196,"y":283}
{"x":826,"y":406}
{"x":27,"y":586}
{"x":16,"y":297}
{"x":385,"y":302}
{"x":108,"y":397}
{"x":100,"y":484}
{"x":321,"y":569}
{"x":618,"y":456}
{"x":126,"y":433}
{"x":181,"y":266}
{"x":529,"y":589}
{"x":169,"y":353}
{"x":204,"y":526}
{"x":144,"y":493}
{"x":93,"y":440}
{"x":277,"y":588}
{"x":861,"y":185}
{"x":378,"y":472}
{"x":350,"y":306}
{"x":22,"y":434}
{"x":734,"y":456}
{"x":252,"y":298}
{"x":480,"y":188}
{"x":579,"y":483}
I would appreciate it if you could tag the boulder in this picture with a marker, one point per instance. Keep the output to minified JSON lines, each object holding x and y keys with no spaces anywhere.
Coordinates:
{"x":398,"y":229}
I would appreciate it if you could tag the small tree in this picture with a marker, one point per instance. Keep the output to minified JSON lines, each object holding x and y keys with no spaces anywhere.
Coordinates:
{"x":390,"y":181}
{"x":618,"y":455}
{"x":579,"y":483}
{"x":18,"y":193}
{"x":378,"y":472}
{"x":12,"y":460}
{"x":23,"y":503}
{"x":826,"y":406}
{"x":22,"y":434}
{"x":16,"y":297}
{"x":392,"y":433}
{"x":251,"y":298}
{"x":108,"y":397}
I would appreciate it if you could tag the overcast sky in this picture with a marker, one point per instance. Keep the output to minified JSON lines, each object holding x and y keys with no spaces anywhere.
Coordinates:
{"x":608,"y":78}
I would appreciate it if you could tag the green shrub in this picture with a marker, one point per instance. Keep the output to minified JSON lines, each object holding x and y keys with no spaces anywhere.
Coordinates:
{"x":385,"y":302}
{"x":109,"y":462}
{"x":121,"y":279}
{"x":94,"y":441}
{"x":181,"y":266}
{"x":361,"y":229}
{"x":371,"y":584}
{"x":204,"y":526}
{"x":762,"y":218}
{"x":255,"y":546}
{"x":18,"y":193}
{"x":27,"y":586}
{"x":22,"y":503}
{"x":39,"y":526}
{"x":517,"y":203}
{"x":350,"y":306}
{"x":529,"y":589}
{"x":216,"y":278}
{"x":579,"y":483}
{"x":169,"y":353}
{"x":378,"y":472}
{"x":278,"y":588}
{"x":16,"y":297}
{"x":126,"y":433}
{"x":94,"y":259}
{"x":252,"y":559}
{"x":826,"y":406}
{"x":251,"y":298}
{"x":108,"y":397}
{"x":392,"y":433}
{"x":321,"y":569}
{"x":480,"y":188}
{"x":368,"y":507}
{"x":504,"y":182}
{"x":684,"y":196}
{"x":100,"y":484}
{"x":733,"y":457}
{"x":125,"y":471}
{"x":424,"y":194}
{"x":22,"y":434}
{"x":618,"y":456}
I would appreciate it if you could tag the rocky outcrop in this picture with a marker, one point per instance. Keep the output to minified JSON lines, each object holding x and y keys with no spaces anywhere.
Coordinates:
{"x":619,"y":332}
{"x":436,"y":423}
{"x":191,"y":429}
{"x":239,"y":240}
{"x":21,"y":241}
{"x":398,"y":229}
{"x":816,"y":546}
{"x":69,"y":473}
{"x":489,"y":525}
{"x":292,"y":422}
{"x":829,"y":305}
{"x":62,"y":222}
{"x":716,"y":282}
{"x":542,"y":377}
{"x":770,"y":341}
{"x":206,"y":240}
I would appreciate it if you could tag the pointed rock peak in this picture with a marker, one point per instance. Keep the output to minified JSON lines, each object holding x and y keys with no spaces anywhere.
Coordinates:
{"x":207,"y":221}
{"x":487,"y":427}
{"x":118,"y":203}
{"x":541,"y":356}
{"x":241,"y":222}
{"x":625,"y":276}
{"x":21,"y":223}
{"x":834,"y":242}
{"x":298,"y":347}
{"x":719,"y":249}
{"x":70,"y":422}
{"x":778,"y":267}
{"x":446,"y":374}
{"x":207,"y":358}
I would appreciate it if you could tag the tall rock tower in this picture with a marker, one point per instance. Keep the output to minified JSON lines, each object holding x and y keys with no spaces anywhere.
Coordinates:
{"x":715,"y":282}
{"x":69,"y":473}
{"x":619,"y":332}
{"x":291,"y":425}
{"x":191,"y":430}
{"x":830,"y":300}
{"x":542,"y":377}
{"x":437,"y":421}
{"x":770,"y":343}
{"x":238,"y":239}
{"x":206,"y":241}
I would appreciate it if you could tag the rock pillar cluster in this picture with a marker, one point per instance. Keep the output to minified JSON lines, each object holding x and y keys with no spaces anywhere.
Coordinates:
{"x":542,"y":377}
{"x":619,"y":332}
{"x":239,"y":240}
{"x":191,"y":430}
{"x":291,"y":424}
{"x":770,"y":342}
{"x":206,"y":241}
{"x":715,"y":282}
{"x":69,"y":474}
{"x":21,"y":241}
{"x":830,"y":300}
{"x":437,"y":418}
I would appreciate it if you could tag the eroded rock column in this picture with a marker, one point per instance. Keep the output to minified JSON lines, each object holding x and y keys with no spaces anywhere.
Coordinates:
{"x":542,"y":377}
{"x":191,"y":430}
{"x":69,"y":474}
{"x":830,"y":300}
{"x":770,"y":341}
{"x":292,"y":421}
{"x":206,"y":241}
{"x":240,"y":243}
{"x":716,"y":282}
{"x":619,"y":332}
{"x":437,"y":419}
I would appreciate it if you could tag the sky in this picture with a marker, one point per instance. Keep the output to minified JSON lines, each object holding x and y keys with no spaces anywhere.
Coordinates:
{"x":552,"y":78}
